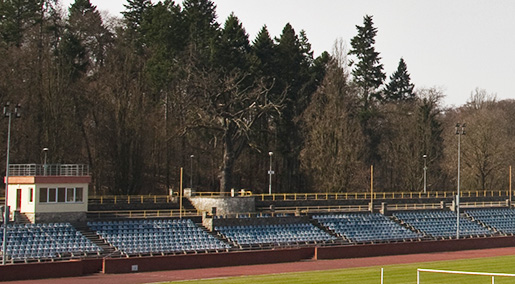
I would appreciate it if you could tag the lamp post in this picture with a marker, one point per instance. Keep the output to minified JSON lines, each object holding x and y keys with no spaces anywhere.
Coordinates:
{"x":425,"y":173}
{"x":45,"y":150}
{"x":9,"y":114}
{"x":191,"y":171}
{"x":270,"y":173}
{"x":460,"y":130}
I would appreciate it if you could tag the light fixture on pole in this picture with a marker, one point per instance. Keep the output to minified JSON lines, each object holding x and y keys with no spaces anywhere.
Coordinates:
{"x":45,"y":150}
{"x":9,"y":114}
{"x":270,"y":173}
{"x":191,"y":171}
{"x":425,"y":173}
{"x":460,"y":130}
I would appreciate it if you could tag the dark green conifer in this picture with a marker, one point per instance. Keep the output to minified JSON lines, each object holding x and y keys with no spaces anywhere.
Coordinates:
{"x":367,"y":69}
{"x":400,"y":87}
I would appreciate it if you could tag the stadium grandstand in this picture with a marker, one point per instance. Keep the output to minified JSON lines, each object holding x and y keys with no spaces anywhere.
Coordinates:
{"x":54,"y":219}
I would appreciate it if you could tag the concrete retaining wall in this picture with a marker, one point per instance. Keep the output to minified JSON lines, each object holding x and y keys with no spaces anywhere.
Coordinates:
{"x":224,"y":205}
{"x":369,"y":250}
{"x":156,"y":263}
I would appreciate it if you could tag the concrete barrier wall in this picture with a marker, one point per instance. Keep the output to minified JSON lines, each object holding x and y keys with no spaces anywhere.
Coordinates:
{"x":412,"y":247}
{"x":76,"y":268}
{"x":224,"y":205}
{"x":72,"y":268}
{"x":191,"y":261}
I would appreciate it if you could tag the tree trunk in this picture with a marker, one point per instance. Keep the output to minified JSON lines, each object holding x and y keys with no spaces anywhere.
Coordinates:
{"x":228,"y":159}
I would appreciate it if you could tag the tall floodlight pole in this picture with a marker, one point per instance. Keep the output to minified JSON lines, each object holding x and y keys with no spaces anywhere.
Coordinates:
{"x":425,"y":173}
{"x":270,"y":173}
{"x":191,"y":171}
{"x":460,"y":130}
{"x":7,"y":113}
{"x":45,"y":150}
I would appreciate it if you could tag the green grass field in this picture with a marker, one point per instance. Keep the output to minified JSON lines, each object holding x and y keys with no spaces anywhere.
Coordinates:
{"x":398,"y":274}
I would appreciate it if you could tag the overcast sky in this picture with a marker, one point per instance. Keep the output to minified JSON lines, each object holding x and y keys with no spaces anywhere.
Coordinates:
{"x":456,"y":46}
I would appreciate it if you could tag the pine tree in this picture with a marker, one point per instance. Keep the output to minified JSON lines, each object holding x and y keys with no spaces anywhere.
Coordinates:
{"x":295,"y":81}
{"x":134,"y":16}
{"x":202,"y":29}
{"x":400,"y":88}
{"x":263,"y":53}
{"x":368,"y":76}
{"x":234,"y":49}
{"x":135,"y":12}
{"x":368,"y":71}
{"x":86,"y":38}
{"x":16,"y":17}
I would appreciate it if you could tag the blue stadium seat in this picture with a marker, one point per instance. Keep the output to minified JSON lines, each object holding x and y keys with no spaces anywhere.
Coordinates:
{"x":157,"y":236}
{"x":41,"y":241}
{"x":442,"y":224}
{"x":366,"y":227}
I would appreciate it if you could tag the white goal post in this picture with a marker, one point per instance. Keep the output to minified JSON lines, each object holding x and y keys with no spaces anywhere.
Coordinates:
{"x":463,"y":273}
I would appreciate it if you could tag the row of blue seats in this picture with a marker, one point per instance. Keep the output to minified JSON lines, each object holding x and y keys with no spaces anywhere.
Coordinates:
{"x":500,"y":219}
{"x":366,"y":227}
{"x":53,"y":240}
{"x":157,"y":236}
{"x":442,"y":224}
{"x":274,"y":234}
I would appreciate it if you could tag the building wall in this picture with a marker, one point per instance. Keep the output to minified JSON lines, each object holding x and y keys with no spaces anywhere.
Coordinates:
{"x":26,"y":204}
{"x":37,"y":211}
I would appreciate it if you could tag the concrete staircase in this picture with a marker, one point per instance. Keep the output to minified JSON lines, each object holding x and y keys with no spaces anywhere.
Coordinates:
{"x":107,"y":250}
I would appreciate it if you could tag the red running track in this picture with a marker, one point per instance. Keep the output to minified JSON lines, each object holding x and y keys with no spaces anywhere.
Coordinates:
{"x":309,"y":265}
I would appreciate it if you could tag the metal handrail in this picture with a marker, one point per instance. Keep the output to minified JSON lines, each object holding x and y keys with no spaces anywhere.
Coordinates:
{"x":49,"y":170}
{"x":119,"y":199}
{"x":378,"y":195}
{"x":323,"y":196}
{"x":143,"y":213}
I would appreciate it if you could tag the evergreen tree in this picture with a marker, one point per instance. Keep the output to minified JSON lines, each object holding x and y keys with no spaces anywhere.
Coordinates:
{"x":295,"y":82}
{"x":135,"y":13}
{"x":202,"y":29}
{"x":86,"y":38}
{"x":263,"y":54}
{"x":400,"y":88}
{"x":18,"y":16}
{"x":234,"y":49}
{"x":368,"y":76}
{"x":165,"y":39}
{"x":164,"y":28}
{"x":368,"y":71}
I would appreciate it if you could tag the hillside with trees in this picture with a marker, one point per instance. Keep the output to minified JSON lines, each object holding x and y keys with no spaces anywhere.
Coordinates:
{"x":169,"y":85}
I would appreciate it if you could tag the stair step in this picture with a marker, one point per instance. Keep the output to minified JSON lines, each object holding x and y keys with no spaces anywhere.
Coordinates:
{"x":94,"y":238}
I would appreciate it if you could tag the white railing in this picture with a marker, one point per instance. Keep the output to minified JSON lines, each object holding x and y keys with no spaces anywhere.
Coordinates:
{"x":48,"y":170}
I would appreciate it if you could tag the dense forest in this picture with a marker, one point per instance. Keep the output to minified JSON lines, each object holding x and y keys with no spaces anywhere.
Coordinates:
{"x":167,"y":86}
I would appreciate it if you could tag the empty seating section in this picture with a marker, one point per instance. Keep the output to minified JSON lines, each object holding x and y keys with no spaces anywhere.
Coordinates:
{"x":366,"y":227}
{"x":156,"y":236}
{"x":501,"y":219}
{"x":45,"y":241}
{"x":276,"y":234}
{"x":442,"y":224}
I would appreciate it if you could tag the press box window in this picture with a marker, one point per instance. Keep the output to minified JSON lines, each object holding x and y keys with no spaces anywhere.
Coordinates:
{"x":43,"y":195}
